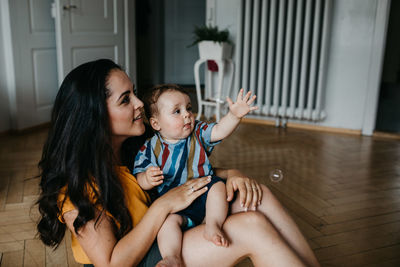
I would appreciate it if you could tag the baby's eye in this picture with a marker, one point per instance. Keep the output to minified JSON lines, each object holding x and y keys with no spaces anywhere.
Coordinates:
{"x":177,"y":111}
{"x":189,"y":108}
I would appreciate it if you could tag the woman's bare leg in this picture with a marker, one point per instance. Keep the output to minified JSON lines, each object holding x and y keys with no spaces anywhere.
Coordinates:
{"x":284,"y":224}
{"x":250,"y":235}
{"x":169,"y":241}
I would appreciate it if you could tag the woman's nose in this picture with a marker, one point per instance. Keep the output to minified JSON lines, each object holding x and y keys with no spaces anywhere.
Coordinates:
{"x":137,"y":103}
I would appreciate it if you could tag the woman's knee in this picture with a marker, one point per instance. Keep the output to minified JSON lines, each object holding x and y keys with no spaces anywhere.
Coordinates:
{"x":254,"y":219}
{"x":253,"y":227}
{"x":268,"y":199}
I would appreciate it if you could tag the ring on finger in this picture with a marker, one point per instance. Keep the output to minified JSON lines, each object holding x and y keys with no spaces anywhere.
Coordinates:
{"x":192,"y":188}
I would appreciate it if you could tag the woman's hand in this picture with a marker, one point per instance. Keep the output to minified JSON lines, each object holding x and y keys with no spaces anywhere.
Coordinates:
{"x":182,"y":196}
{"x":250,"y":192}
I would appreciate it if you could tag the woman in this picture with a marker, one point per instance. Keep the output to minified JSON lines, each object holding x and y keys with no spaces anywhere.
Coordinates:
{"x":86,"y":187}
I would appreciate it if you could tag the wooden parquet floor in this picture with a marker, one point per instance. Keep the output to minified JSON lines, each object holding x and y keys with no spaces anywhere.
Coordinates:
{"x":342,"y":190}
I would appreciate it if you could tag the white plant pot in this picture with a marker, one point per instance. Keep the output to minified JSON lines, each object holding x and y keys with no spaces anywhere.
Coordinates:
{"x":215,"y":50}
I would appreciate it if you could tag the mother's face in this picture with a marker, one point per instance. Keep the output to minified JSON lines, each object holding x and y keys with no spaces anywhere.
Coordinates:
{"x":124,"y":108}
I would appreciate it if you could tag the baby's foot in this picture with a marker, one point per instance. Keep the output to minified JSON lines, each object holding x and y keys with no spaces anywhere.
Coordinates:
{"x":213,"y":233}
{"x":170,"y":261}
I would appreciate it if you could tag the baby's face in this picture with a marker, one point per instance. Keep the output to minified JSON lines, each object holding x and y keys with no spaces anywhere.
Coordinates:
{"x":175,"y":120}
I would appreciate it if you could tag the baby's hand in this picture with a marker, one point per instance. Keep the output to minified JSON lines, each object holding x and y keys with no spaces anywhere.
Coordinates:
{"x":242,"y":105}
{"x":154,"y":176}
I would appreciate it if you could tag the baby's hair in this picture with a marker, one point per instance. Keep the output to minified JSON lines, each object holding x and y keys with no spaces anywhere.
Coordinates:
{"x":151,"y":97}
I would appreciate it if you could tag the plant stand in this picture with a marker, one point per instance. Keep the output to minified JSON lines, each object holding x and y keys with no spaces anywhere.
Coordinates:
{"x":211,"y":98}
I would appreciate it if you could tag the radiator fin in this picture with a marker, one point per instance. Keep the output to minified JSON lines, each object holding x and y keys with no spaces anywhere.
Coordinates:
{"x":281,"y":55}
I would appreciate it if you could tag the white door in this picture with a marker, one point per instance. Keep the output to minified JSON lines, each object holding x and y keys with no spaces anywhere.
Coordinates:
{"x":87,"y":30}
{"x":180,"y":18}
{"x":34,"y":58}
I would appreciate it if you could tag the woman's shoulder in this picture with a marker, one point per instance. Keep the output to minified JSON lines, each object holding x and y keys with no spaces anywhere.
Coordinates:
{"x":65,"y":204}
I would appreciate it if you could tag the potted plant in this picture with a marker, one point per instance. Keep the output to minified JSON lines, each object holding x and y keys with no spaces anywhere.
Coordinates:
{"x":213,"y":43}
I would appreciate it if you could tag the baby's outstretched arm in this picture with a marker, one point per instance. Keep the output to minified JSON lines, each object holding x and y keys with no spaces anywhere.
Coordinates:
{"x":152,"y":177}
{"x":237,"y":111}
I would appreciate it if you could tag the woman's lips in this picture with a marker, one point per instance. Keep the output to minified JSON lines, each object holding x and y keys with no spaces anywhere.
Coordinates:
{"x":137,"y":118}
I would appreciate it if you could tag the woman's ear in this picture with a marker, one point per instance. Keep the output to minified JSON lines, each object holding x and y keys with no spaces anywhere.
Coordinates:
{"x":154,"y":124}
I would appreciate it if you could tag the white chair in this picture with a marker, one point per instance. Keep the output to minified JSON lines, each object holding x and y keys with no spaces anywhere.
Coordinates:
{"x":211,"y":97}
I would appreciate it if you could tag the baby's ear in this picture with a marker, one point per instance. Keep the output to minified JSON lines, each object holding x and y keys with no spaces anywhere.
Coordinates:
{"x":154,"y":124}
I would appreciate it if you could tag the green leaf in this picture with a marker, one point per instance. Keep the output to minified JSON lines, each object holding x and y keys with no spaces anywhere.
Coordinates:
{"x":210,"y":33}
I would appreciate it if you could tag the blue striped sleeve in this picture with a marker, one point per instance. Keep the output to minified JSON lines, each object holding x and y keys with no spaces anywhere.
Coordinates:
{"x":144,"y":158}
{"x":205,"y":135}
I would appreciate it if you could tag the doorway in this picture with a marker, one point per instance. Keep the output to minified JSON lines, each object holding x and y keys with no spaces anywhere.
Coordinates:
{"x":388,"y":115}
{"x":164,"y":31}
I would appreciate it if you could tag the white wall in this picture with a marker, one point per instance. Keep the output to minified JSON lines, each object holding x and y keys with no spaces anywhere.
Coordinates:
{"x":349,"y":60}
{"x":4,"y":100}
{"x":225,"y":15}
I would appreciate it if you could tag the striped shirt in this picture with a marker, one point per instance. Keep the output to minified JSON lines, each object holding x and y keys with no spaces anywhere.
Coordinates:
{"x":174,"y":159}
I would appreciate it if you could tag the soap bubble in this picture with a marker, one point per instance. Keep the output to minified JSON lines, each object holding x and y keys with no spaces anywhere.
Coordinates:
{"x":276,"y":175}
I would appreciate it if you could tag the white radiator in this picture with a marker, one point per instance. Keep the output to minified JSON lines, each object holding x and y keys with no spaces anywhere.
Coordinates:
{"x":281,"y":50}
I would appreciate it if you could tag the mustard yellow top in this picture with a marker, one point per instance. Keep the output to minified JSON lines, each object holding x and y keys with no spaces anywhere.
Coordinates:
{"x":137,"y":202}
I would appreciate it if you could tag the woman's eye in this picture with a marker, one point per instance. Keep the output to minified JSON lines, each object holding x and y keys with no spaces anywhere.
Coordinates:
{"x":125,"y":100}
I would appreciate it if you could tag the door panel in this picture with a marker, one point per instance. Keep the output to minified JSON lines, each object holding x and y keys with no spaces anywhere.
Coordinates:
{"x":45,"y":77}
{"x":93,"y":16}
{"x":34,"y":50}
{"x":87,"y":30}
{"x":83,"y":54}
{"x":40,"y":16}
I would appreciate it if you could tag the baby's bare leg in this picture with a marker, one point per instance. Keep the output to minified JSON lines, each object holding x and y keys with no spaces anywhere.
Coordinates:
{"x":169,"y":240}
{"x":216,"y":211}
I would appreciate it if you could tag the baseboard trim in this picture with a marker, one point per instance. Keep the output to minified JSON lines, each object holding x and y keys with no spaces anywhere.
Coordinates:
{"x":251,"y":121}
{"x":386,"y":135}
{"x":258,"y":121}
{"x":26,"y":130}
{"x":305,"y":126}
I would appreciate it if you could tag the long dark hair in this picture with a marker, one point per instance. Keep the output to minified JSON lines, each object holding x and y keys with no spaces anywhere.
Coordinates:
{"x":78,"y":155}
